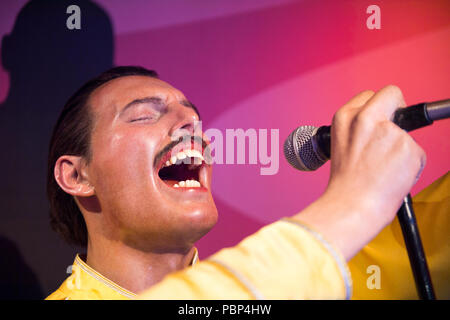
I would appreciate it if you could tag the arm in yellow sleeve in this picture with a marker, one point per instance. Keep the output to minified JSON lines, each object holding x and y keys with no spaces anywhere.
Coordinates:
{"x":284,"y":260}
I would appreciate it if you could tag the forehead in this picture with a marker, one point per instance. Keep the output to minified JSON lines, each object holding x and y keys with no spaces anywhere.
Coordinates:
{"x":115,"y":94}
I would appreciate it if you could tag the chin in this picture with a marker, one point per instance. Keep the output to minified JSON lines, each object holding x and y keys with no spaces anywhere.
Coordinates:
{"x":198,"y":223}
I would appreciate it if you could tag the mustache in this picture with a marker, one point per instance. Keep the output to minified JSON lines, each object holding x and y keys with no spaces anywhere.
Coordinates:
{"x":174,"y":143}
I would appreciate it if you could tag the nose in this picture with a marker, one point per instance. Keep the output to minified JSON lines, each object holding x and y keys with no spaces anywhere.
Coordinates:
{"x":185,"y":121}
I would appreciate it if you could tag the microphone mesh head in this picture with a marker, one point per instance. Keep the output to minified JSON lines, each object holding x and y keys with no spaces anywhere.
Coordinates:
{"x":299,"y":149}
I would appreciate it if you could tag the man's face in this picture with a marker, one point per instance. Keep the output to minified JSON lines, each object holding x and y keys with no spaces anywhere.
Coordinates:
{"x":135,"y":119}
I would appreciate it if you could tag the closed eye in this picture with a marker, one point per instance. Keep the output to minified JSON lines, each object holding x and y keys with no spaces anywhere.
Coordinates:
{"x":141,"y":119}
{"x":153,"y":116}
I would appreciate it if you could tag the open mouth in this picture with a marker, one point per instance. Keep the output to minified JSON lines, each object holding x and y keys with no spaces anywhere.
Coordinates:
{"x":182,"y":170}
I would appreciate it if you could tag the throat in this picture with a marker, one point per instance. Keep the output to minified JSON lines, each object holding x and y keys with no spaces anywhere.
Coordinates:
{"x":136,"y":270}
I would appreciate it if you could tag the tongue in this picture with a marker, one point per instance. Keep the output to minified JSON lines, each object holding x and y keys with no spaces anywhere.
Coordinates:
{"x":170,"y":183}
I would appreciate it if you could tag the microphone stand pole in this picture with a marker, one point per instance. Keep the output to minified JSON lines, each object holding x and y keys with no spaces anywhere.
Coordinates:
{"x":414,"y":247}
{"x":418,"y":116}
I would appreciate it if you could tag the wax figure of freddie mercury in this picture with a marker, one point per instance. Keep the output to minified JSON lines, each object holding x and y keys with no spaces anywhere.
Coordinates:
{"x":114,"y":188}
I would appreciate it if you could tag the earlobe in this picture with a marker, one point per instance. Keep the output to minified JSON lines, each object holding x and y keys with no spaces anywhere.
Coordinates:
{"x":70,"y":177}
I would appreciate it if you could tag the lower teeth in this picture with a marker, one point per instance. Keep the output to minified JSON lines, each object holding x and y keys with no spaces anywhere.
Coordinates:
{"x":187,"y":184}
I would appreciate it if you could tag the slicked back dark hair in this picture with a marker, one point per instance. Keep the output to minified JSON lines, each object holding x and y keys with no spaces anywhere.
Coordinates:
{"x":71,"y":136}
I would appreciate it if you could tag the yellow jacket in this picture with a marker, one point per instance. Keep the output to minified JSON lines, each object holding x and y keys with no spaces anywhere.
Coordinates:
{"x":288,"y":260}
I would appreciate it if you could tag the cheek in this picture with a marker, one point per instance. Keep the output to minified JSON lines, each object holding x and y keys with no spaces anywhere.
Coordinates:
{"x":122,"y":164}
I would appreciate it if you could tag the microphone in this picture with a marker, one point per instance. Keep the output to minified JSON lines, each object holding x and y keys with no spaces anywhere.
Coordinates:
{"x":307,"y":148}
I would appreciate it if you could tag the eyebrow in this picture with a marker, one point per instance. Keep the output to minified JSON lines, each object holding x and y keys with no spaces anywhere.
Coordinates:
{"x":158,"y":100}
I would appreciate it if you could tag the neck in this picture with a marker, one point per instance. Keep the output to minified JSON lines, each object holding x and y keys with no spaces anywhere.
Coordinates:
{"x":131,"y":268}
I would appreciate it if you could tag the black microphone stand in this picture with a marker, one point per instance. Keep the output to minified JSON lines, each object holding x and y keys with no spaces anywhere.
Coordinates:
{"x":414,"y":247}
{"x":415,"y":117}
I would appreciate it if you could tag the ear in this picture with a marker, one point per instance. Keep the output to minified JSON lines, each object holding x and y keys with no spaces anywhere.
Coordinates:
{"x":71,"y":175}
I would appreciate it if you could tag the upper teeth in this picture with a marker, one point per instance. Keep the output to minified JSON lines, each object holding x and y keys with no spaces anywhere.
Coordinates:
{"x":190,"y":153}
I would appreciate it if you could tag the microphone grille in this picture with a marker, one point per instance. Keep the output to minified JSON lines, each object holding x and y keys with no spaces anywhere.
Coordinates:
{"x":299,"y":149}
